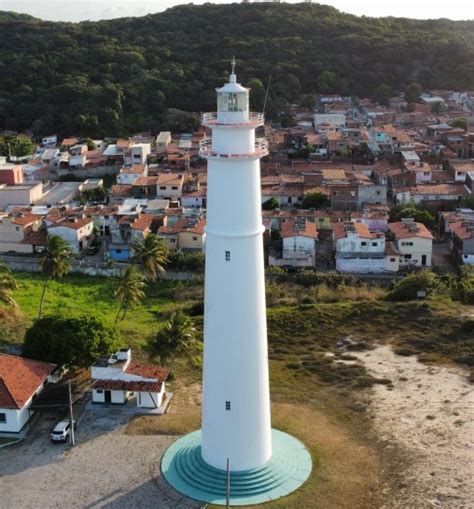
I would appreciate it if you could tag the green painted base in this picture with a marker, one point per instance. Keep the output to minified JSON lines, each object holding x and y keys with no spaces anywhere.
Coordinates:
{"x":185,"y":470}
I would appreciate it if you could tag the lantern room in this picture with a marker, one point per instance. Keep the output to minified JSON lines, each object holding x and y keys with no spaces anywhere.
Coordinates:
{"x":232,"y":101}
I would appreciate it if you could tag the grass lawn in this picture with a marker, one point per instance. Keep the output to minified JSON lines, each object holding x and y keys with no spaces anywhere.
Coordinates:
{"x":75,"y":295}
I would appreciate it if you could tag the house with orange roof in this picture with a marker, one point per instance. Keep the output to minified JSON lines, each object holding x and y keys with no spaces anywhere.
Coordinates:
{"x":20,"y":381}
{"x":186,"y":234}
{"x":170,"y":186}
{"x":299,"y":236}
{"x":414,"y":242}
{"x":76,"y":231}
{"x":15,"y":228}
{"x":118,"y":379}
{"x":462,"y":241}
{"x":357,"y":249}
{"x":129,"y":174}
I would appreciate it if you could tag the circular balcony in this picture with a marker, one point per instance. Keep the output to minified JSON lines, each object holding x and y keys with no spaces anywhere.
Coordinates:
{"x":211,"y":120}
{"x":260,"y":150}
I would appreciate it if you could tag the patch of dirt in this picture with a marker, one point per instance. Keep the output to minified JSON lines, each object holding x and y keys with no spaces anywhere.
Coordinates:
{"x":428,"y":412}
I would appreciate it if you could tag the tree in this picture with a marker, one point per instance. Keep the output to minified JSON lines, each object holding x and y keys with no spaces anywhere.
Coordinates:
{"x":461,"y":122}
{"x":413,"y":92}
{"x":271,"y":204}
{"x":326,"y":82}
{"x":177,"y":337}
{"x":54,"y":263}
{"x":314,"y":201}
{"x":70,"y":341}
{"x":308,"y":101}
{"x":90,"y":144}
{"x":406,"y":210}
{"x":382,"y":94}
{"x":130,"y":290}
{"x":257,"y":93}
{"x":467,"y":202}
{"x":7,"y":286}
{"x":17,"y":147}
{"x":151,"y":254}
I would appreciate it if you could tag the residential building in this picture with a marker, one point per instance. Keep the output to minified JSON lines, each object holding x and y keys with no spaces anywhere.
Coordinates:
{"x":162,"y":142}
{"x":20,"y":194}
{"x":186,"y":234}
{"x":15,"y":229}
{"x":357,"y":249}
{"x":127,"y":175}
{"x":20,"y":381}
{"x":299,"y":236}
{"x":462,"y":241}
{"x":414,"y":242}
{"x":170,"y":186}
{"x":11,"y":174}
{"x":76,"y":231}
{"x":117,"y":379}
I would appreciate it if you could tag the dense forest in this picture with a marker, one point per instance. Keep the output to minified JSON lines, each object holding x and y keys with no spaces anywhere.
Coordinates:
{"x":120,"y":76}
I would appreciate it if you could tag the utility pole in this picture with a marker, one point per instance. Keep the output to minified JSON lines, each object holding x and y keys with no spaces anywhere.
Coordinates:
{"x":71,"y":416}
{"x":227,"y":503}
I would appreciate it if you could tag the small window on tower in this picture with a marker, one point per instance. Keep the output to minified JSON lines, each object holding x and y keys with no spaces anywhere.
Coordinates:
{"x":227,"y":256}
{"x":227,"y":405}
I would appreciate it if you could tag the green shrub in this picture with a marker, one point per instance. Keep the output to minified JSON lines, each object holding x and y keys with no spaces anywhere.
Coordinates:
{"x":408,"y":288}
{"x":189,"y":262}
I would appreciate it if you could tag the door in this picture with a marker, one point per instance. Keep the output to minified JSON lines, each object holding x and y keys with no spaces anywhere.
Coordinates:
{"x":107,"y":397}
{"x":423,"y":260}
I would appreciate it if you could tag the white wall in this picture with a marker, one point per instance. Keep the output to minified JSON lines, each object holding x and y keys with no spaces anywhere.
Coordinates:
{"x":16,"y":419}
{"x":149,"y":399}
{"x":98,"y":397}
{"x":419,"y":248}
{"x":360,"y":265}
{"x":354,"y":244}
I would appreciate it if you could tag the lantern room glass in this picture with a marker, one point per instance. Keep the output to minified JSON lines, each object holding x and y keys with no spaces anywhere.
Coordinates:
{"x":232,"y":101}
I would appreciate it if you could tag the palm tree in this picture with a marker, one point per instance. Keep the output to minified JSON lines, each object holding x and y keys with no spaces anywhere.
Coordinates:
{"x":54,"y":262}
{"x":7,"y":286}
{"x":177,"y":337}
{"x":130,"y":290}
{"x":151,"y":254}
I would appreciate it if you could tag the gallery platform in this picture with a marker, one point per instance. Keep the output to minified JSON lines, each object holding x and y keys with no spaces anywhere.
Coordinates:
{"x":185,"y":470}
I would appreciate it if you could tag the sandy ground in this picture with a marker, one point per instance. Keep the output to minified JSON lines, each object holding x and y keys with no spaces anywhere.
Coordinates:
{"x":428,"y":416}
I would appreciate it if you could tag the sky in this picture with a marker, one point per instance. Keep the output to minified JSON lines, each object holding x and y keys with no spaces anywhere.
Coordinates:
{"x":79,"y":10}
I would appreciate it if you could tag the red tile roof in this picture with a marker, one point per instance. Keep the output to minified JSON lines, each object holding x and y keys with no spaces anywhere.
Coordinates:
{"x":403,"y":230}
{"x":147,"y":370}
{"x":20,"y":378}
{"x":142,"y":222}
{"x":463,"y":229}
{"x":26,"y":219}
{"x":298,"y":228}
{"x":121,"y":190}
{"x":185,"y":225}
{"x":75,"y":223}
{"x":341,"y":230}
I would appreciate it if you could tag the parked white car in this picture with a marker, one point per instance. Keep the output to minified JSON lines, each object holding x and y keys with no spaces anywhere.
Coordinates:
{"x":61,"y":431}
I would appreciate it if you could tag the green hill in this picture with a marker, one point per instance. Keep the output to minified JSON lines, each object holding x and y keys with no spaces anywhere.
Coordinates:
{"x":114,"y":77}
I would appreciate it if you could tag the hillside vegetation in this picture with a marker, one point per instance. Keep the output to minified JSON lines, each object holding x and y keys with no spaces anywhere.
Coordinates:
{"x":121,"y":76}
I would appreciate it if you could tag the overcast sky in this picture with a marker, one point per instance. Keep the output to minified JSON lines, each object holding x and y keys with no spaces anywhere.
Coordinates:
{"x":78,"y":10}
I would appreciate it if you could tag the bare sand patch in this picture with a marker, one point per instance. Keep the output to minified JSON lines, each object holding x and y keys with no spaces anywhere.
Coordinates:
{"x":429,"y":413}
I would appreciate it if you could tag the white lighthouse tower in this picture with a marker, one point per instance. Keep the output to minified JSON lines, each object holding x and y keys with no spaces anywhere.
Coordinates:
{"x":236,"y":397}
{"x":236,"y":443}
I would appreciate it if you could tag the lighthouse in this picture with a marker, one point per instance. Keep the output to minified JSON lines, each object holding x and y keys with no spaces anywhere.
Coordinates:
{"x":236,"y":422}
{"x":236,"y":453}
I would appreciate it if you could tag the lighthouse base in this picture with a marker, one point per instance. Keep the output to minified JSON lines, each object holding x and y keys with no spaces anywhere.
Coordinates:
{"x":185,"y":470}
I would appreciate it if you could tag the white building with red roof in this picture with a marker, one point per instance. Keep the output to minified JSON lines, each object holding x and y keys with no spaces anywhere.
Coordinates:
{"x":299,"y":236}
{"x":358,"y":250}
{"x":20,"y":381}
{"x":117,"y":379}
{"x":76,"y":231}
{"x":413,"y":241}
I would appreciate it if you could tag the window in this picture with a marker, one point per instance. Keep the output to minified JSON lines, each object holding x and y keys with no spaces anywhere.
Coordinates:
{"x":232,"y":101}
{"x":3,"y":417}
{"x":227,"y":405}
{"x":363,"y":243}
{"x":195,"y":238}
{"x":99,"y":391}
{"x":227,"y":256}
{"x":17,"y":228}
{"x":408,"y":257}
{"x":163,"y":188}
{"x":118,"y":251}
{"x":393,"y":259}
{"x":374,"y":244}
{"x":175,"y":188}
